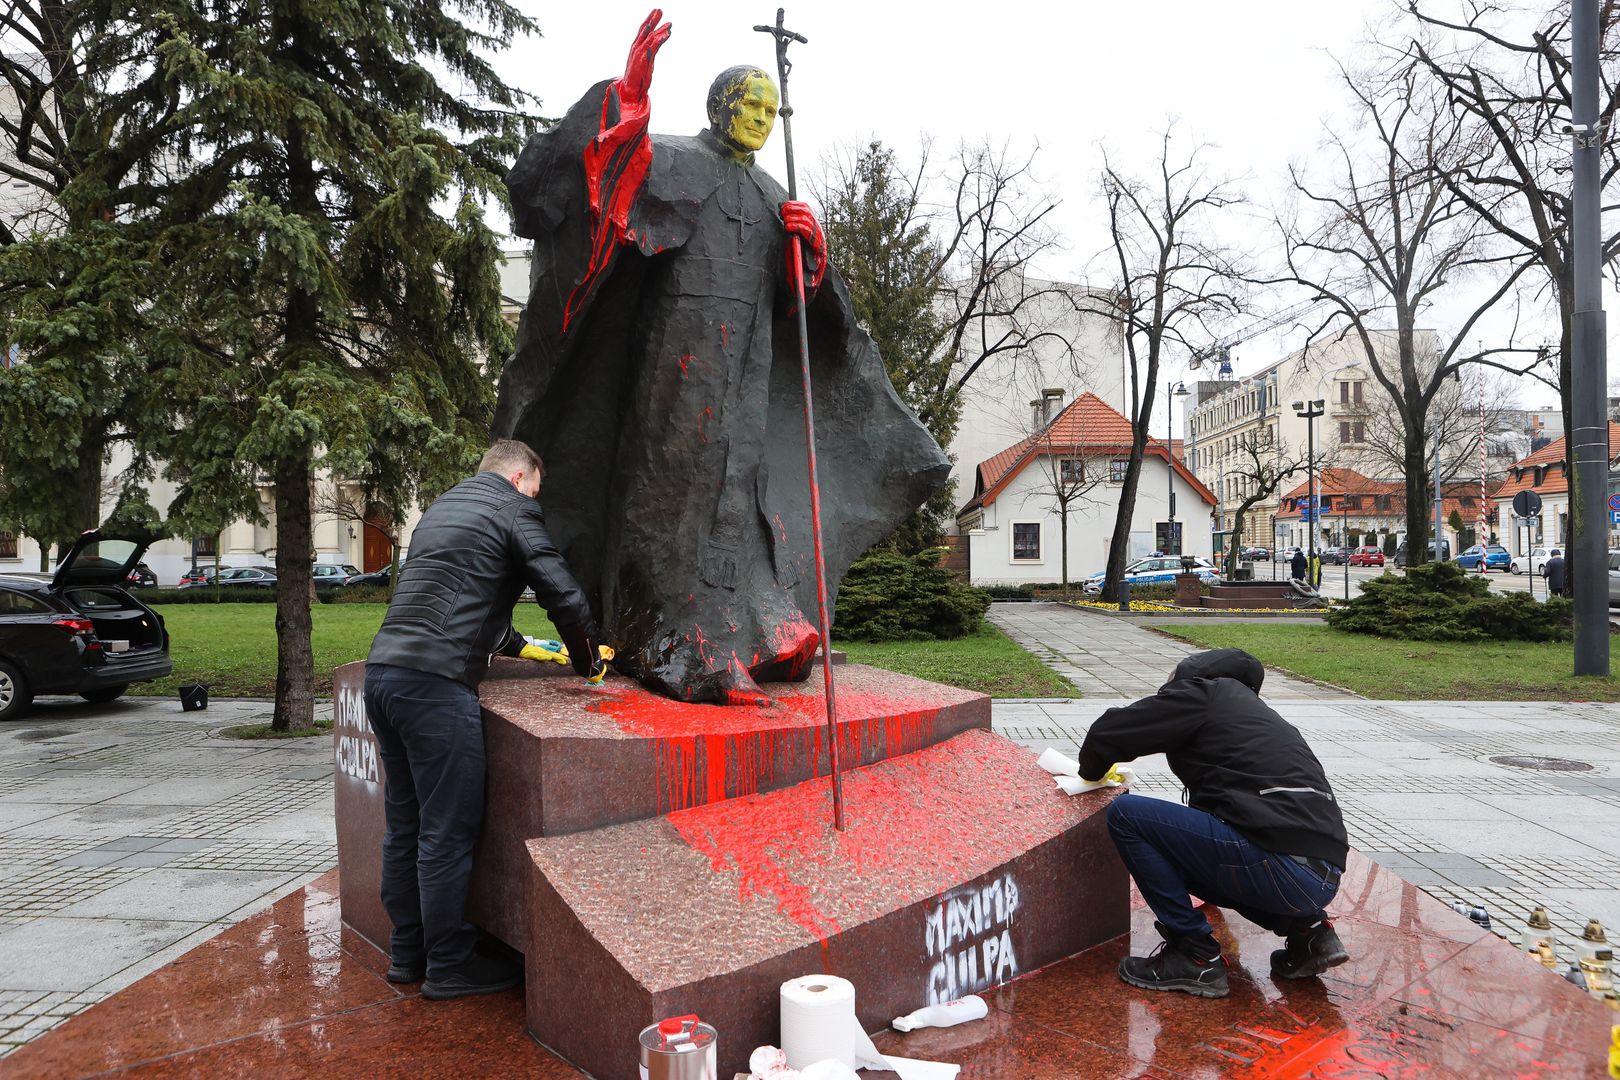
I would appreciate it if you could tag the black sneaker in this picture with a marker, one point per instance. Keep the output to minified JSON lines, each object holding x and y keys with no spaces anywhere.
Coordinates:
{"x":406,"y":973}
{"x":1309,"y":953}
{"x":1173,"y":966}
{"x":479,"y":975}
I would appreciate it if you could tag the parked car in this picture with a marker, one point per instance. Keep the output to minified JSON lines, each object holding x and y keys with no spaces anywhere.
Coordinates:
{"x":1287,"y":554}
{"x":1335,"y":556}
{"x":1494,"y":556}
{"x":1533,"y":563}
{"x":141,"y":577}
{"x":203,"y":575}
{"x":1256,"y":554}
{"x":376,"y":577}
{"x":1154,"y":570}
{"x":1614,"y":577}
{"x":1437,"y":550}
{"x":331,"y":575}
{"x":78,"y":632}
{"x":246,"y":575}
{"x":1369,"y":555}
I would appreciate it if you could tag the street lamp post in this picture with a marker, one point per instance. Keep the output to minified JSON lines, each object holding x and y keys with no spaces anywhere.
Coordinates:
{"x":1173,"y":390}
{"x":1309,"y":411}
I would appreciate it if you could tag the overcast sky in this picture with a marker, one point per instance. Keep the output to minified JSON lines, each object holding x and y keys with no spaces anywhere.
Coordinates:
{"x":1255,"y":79}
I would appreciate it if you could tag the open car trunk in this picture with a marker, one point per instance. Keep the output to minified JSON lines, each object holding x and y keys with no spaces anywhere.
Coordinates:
{"x":123,"y":624}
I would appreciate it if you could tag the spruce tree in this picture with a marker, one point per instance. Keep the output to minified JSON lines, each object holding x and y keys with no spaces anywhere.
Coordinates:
{"x":325,"y":294}
{"x":879,"y":238}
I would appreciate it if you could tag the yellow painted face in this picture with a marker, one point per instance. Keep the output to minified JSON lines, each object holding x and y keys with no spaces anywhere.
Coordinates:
{"x":754,"y":116}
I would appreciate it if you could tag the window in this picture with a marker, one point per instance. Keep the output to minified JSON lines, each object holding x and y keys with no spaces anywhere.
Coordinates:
{"x":1117,"y":469}
{"x":8,"y":545}
{"x":1026,"y":541}
{"x":1071,"y":471}
{"x":1359,"y":430}
{"x":1344,"y":431}
{"x":13,"y":603}
{"x":1468,"y":502}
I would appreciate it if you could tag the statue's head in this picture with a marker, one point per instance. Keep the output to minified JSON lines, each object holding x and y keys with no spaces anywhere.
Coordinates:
{"x":742,"y":108}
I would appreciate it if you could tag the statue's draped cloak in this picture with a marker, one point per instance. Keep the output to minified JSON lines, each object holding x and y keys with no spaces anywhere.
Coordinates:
{"x":664,"y":395}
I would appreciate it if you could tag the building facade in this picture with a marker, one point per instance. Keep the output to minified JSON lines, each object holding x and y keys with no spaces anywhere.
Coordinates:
{"x":1546,"y":472}
{"x":1014,"y":525}
{"x":1230,"y":420}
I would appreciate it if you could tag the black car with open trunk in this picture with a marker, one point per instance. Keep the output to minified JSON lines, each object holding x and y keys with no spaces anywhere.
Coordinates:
{"x":78,"y":631}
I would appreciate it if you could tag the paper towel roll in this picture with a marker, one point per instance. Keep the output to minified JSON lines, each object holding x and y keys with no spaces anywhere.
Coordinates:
{"x":818,"y":1020}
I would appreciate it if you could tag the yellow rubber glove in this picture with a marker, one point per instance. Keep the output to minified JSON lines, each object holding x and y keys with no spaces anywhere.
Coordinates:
{"x":544,"y":655}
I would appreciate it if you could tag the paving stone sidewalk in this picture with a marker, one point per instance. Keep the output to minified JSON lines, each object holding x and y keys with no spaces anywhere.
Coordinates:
{"x":131,"y":832}
{"x":1104,"y":656}
{"x":1415,"y":779}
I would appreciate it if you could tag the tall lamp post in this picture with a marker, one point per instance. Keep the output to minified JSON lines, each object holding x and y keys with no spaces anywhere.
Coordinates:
{"x":1309,"y":411}
{"x":1175,"y":389}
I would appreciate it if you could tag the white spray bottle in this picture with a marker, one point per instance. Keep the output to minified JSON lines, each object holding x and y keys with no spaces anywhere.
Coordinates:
{"x":945,"y":1014}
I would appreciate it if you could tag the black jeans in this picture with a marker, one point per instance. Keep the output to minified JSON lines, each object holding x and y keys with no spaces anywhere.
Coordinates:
{"x":431,"y":736}
{"x":1173,"y":850}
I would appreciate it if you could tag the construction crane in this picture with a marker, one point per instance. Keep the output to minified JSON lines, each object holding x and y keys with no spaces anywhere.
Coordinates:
{"x":1219,"y":352}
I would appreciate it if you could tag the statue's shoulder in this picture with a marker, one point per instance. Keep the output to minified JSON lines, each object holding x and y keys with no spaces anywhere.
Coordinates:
{"x":683,"y":165}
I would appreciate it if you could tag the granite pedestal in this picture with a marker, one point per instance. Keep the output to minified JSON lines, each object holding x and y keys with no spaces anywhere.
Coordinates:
{"x":653,"y":858}
{"x":564,"y":757}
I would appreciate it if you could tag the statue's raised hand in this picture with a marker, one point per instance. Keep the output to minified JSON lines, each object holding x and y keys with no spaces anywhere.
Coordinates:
{"x":638,"y":68}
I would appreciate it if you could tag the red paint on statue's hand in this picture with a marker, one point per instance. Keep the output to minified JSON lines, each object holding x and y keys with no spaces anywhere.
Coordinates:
{"x":809,"y":255}
{"x":618,"y":158}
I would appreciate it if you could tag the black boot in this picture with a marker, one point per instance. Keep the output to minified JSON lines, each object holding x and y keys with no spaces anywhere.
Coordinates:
{"x":1309,"y":952}
{"x":399,"y":972}
{"x":479,"y":975}
{"x":1192,"y":965}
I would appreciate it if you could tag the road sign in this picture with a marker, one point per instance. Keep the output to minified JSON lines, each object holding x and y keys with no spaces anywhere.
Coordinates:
{"x":1528,"y":504}
{"x":1614,"y":517}
{"x":1614,"y":503}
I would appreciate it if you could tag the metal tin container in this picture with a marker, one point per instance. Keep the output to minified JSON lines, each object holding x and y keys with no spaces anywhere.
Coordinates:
{"x":679,"y":1048}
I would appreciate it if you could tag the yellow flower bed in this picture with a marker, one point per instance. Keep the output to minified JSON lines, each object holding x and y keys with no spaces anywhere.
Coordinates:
{"x":1165,"y":607}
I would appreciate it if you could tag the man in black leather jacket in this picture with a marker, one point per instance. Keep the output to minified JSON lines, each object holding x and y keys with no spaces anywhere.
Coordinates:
{"x":471,"y":555}
{"x":1261,"y":832}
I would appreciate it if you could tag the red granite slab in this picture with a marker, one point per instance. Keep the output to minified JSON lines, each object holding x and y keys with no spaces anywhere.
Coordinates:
{"x":565,"y":756}
{"x":960,"y":867}
{"x":1349,"y":1024}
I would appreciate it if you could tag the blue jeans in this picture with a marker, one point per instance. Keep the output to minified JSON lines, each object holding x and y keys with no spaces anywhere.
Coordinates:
{"x":1173,"y":850}
{"x":431,"y":737}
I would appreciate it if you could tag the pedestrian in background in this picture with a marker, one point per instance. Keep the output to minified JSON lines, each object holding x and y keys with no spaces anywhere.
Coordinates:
{"x":1557,"y":580}
{"x":1296,"y":565}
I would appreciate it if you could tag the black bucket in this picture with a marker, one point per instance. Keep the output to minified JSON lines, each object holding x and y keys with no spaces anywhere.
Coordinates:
{"x":193,"y":697}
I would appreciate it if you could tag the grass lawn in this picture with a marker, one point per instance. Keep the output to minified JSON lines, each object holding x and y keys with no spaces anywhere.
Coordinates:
{"x":232,"y":648}
{"x":1386,"y":668}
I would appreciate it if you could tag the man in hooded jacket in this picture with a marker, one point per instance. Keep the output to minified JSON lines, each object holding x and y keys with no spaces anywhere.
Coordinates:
{"x":1261,"y":833}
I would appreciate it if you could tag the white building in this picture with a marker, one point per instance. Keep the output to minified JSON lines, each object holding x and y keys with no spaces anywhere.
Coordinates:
{"x":1076,"y":347}
{"x":1013,"y":524}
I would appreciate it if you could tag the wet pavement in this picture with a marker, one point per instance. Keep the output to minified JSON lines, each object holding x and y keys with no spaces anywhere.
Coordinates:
{"x":131,"y":833}
{"x":1426,"y":993}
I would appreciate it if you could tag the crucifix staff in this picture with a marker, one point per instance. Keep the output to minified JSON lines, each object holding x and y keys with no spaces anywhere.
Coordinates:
{"x":784,"y":37}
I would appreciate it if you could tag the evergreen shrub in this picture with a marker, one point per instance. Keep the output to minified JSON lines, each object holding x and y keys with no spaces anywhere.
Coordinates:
{"x":887,"y":596}
{"x":1440,"y":601}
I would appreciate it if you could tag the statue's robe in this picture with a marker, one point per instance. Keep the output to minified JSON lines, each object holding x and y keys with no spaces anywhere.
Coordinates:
{"x":657,"y":372}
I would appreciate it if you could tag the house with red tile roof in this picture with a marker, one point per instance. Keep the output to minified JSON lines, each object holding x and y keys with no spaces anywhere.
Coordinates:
{"x":1015,"y":522}
{"x":1546,"y":472}
{"x":1353,"y":503}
